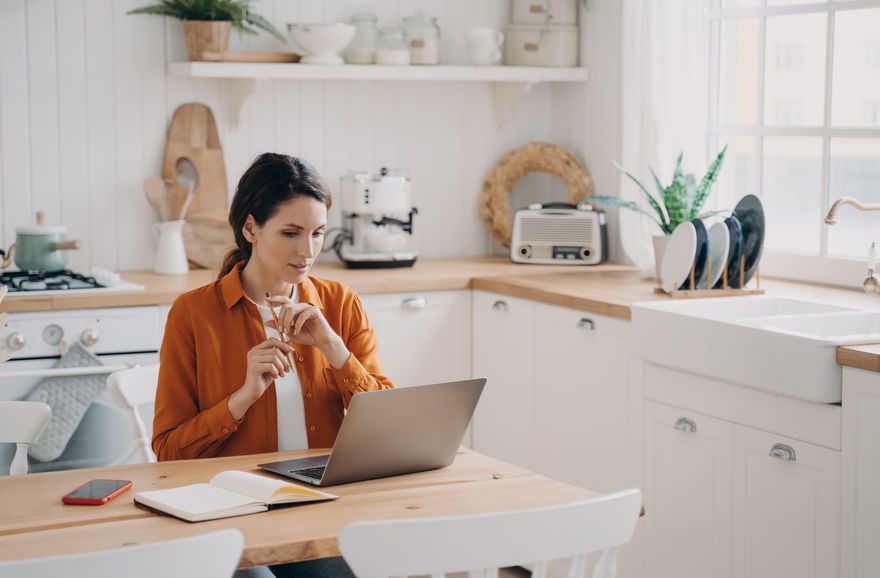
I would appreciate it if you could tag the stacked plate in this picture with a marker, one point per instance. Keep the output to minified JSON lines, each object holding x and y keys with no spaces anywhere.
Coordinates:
{"x":710,"y":251}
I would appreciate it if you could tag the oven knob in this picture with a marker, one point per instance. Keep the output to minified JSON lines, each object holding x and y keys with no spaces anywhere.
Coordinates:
{"x":15,"y":341}
{"x":89,"y":337}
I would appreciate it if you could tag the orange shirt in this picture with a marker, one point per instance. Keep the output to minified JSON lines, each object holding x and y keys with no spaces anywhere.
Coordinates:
{"x":203,"y":360}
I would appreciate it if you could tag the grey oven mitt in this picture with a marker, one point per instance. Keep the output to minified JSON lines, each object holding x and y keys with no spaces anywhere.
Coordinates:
{"x":69,"y":398}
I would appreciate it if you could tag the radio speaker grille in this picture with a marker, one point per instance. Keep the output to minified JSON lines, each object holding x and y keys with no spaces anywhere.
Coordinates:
{"x":562,"y":231}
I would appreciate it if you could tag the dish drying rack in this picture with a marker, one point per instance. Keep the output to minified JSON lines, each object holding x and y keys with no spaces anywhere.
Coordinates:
{"x":724,"y":291}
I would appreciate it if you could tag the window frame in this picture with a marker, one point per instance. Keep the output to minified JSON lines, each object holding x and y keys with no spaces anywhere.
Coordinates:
{"x":821,"y":268}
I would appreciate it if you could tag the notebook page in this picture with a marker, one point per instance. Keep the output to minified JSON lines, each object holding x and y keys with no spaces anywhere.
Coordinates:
{"x":265,"y":489}
{"x":195,"y":499}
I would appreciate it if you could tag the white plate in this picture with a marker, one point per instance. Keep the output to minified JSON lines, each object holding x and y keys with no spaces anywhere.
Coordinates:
{"x":719,"y":246}
{"x":678,"y":258}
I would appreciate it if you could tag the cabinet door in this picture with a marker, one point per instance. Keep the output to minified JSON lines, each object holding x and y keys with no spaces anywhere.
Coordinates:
{"x":786,"y":507}
{"x":861,"y":473}
{"x":689,"y":473}
{"x":581,"y":392}
{"x":423,"y":337}
{"x":503,"y":345}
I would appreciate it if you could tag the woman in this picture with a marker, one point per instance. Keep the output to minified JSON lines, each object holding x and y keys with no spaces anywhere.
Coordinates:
{"x":222,"y":353}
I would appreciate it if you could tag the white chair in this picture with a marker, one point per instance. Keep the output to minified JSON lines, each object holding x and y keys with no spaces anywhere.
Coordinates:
{"x":130,"y":388}
{"x":21,"y":423}
{"x":212,"y":555}
{"x":481,"y":544}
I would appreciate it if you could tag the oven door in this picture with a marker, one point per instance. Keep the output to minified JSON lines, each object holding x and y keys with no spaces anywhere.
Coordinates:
{"x":104,"y":435}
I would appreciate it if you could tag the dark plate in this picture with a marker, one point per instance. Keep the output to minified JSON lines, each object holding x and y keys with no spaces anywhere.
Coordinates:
{"x":700,"y":255}
{"x":750,"y":213}
{"x":734,"y":253}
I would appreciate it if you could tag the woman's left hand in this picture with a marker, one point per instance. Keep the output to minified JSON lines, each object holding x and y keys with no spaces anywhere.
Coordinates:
{"x":304,"y":324}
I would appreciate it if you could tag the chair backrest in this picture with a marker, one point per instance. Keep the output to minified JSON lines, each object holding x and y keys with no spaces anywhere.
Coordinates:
{"x":130,"y":388}
{"x":486,"y":542}
{"x":21,"y":423}
{"x":212,"y":555}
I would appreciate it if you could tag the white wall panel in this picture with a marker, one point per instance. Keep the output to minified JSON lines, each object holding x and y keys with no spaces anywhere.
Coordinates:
{"x":85,"y":104}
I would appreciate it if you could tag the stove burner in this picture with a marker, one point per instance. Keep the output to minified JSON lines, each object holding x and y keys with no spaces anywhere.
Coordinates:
{"x":19,"y":281}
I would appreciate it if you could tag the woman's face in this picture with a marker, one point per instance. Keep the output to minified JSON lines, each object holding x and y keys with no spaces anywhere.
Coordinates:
{"x":290,"y":241}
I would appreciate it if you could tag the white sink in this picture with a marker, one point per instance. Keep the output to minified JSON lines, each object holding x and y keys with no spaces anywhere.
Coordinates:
{"x":776,"y":344}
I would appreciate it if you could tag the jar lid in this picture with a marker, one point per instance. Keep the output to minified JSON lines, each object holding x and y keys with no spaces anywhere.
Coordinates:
{"x":364,"y":17}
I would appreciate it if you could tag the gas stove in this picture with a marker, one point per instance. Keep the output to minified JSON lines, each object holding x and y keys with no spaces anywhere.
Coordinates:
{"x":56,"y":282}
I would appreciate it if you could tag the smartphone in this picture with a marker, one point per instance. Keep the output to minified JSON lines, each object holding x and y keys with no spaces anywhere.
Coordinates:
{"x":96,"y":492}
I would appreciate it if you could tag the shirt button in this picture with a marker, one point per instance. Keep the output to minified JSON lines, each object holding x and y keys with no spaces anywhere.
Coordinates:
{"x":300,"y":358}
{"x":225,"y":430}
{"x":312,"y":428}
{"x":345,"y":380}
{"x":309,"y":394}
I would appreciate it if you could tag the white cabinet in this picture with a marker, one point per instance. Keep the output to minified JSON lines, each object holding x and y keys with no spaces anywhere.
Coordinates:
{"x":786,"y":507}
{"x":688,"y":496}
{"x":861,"y":473}
{"x":726,"y":500}
{"x":504,"y":353}
{"x":581,"y":392}
{"x":423,"y":337}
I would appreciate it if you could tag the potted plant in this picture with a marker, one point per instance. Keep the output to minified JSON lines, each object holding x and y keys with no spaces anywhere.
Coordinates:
{"x":680,"y":201}
{"x":207,"y":22}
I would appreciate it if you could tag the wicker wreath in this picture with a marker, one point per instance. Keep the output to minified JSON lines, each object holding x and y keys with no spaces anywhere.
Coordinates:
{"x":534,"y":157}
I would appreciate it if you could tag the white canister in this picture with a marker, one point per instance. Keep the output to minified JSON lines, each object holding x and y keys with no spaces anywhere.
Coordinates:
{"x":556,"y":12}
{"x":170,"y":254}
{"x":484,"y":46}
{"x":541,"y":46}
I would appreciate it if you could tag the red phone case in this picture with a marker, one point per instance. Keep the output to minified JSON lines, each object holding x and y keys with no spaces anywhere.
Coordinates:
{"x":93,"y":501}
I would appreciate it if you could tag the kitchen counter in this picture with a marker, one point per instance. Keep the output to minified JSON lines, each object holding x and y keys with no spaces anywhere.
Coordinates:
{"x":426,"y":275}
{"x":865,"y":357}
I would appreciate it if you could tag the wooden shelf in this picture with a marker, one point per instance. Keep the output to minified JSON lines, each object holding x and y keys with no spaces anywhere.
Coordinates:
{"x":447,"y":73}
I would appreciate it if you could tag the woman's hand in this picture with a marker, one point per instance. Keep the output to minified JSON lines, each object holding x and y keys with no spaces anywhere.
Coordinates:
{"x":266,"y":362}
{"x":304,"y":324}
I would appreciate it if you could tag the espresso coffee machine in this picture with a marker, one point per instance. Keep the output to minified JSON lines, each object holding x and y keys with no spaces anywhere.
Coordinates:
{"x":377,"y":217}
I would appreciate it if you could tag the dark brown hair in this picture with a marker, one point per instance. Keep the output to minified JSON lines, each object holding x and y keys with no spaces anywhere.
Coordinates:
{"x":272,"y":180}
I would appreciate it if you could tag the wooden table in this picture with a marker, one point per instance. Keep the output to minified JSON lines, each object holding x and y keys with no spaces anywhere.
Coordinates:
{"x":34,"y":522}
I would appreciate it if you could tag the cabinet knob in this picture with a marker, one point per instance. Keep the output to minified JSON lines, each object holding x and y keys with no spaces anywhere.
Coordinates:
{"x":414,"y":303}
{"x":686,"y":424}
{"x":89,"y":337}
{"x":500,"y":306}
{"x":783,"y":452}
{"x":586,"y":323}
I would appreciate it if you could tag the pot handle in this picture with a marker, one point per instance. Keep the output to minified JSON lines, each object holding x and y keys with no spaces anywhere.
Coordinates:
{"x":65,"y":245}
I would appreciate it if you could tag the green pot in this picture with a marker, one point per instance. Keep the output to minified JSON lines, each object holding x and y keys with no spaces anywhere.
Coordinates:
{"x":42,"y":248}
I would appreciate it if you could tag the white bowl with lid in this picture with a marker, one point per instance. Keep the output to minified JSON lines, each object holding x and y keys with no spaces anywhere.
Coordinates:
{"x":322,"y":42}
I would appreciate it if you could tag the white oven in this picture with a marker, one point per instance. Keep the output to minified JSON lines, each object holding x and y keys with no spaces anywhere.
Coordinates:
{"x":120,"y":337}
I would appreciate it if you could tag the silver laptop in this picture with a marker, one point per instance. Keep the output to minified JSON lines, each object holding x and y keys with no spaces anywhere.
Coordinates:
{"x":392,"y":432}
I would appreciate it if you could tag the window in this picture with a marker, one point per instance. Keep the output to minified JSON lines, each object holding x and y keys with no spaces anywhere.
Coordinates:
{"x":796,"y":97}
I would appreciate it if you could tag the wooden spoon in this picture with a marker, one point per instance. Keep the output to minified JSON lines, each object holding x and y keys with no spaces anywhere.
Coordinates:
{"x":154,"y":189}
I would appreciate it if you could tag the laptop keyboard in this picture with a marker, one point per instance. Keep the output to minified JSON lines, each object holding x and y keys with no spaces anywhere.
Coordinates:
{"x":315,"y":473}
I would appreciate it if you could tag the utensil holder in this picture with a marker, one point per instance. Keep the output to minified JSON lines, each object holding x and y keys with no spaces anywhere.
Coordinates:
{"x":170,"y":253}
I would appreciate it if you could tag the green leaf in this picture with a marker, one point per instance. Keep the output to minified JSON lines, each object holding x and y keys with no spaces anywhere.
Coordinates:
{"x":707,"y":181}
{"x":650,"y":198}
{"x":621,"y":203}
{"x":238,"y":12}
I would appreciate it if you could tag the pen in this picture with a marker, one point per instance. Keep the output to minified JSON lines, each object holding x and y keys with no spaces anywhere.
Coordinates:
{"x":278,"y":328}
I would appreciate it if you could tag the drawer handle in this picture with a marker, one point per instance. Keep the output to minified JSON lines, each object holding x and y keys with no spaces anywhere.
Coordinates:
{"x":415,"y":303}
{"x":783,"y":452}
{"x":586,"y":323}
{"x":500,"y":306}
{"x":686,"y":424}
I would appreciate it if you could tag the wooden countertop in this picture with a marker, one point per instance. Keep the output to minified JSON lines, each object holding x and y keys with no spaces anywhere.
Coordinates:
{"x":426,"y":275}
{"x":865,"y":357}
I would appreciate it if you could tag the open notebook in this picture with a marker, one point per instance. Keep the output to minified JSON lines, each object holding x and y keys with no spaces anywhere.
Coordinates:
{"x":229,"y":493}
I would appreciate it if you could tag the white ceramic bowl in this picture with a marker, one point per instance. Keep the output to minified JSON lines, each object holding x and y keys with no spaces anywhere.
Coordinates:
{"x":322,"y":42}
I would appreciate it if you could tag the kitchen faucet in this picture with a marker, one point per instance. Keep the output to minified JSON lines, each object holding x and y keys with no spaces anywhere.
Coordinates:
{"x":871,"y":284}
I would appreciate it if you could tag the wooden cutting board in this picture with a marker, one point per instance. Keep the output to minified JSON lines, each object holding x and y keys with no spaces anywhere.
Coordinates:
{"x":193,"y":135}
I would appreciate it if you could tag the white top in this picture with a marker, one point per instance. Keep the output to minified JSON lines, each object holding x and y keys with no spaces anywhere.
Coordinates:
{"x":288,"y":392}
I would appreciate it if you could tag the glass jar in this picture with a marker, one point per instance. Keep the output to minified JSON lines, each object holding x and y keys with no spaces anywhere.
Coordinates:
{"x":423,"y":34}
{"x":362,"y":49}
{"x":392,"y":47}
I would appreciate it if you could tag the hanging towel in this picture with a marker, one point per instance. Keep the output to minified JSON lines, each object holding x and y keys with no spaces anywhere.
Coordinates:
{"x":69,"y":398}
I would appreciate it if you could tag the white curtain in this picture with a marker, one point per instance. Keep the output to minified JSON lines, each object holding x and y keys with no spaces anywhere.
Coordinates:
{"x":666,"y":56}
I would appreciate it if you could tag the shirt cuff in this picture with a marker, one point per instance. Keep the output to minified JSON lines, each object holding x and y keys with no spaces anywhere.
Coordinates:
{"x":352,"y":376}
{"x":220,"y":421}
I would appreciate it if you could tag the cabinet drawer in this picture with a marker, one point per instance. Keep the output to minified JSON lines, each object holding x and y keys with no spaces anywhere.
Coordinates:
{"x":587,"y":323}
{"x":500,"y":306}
{"x":413,"y":302}
{"x":689,"y":422}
